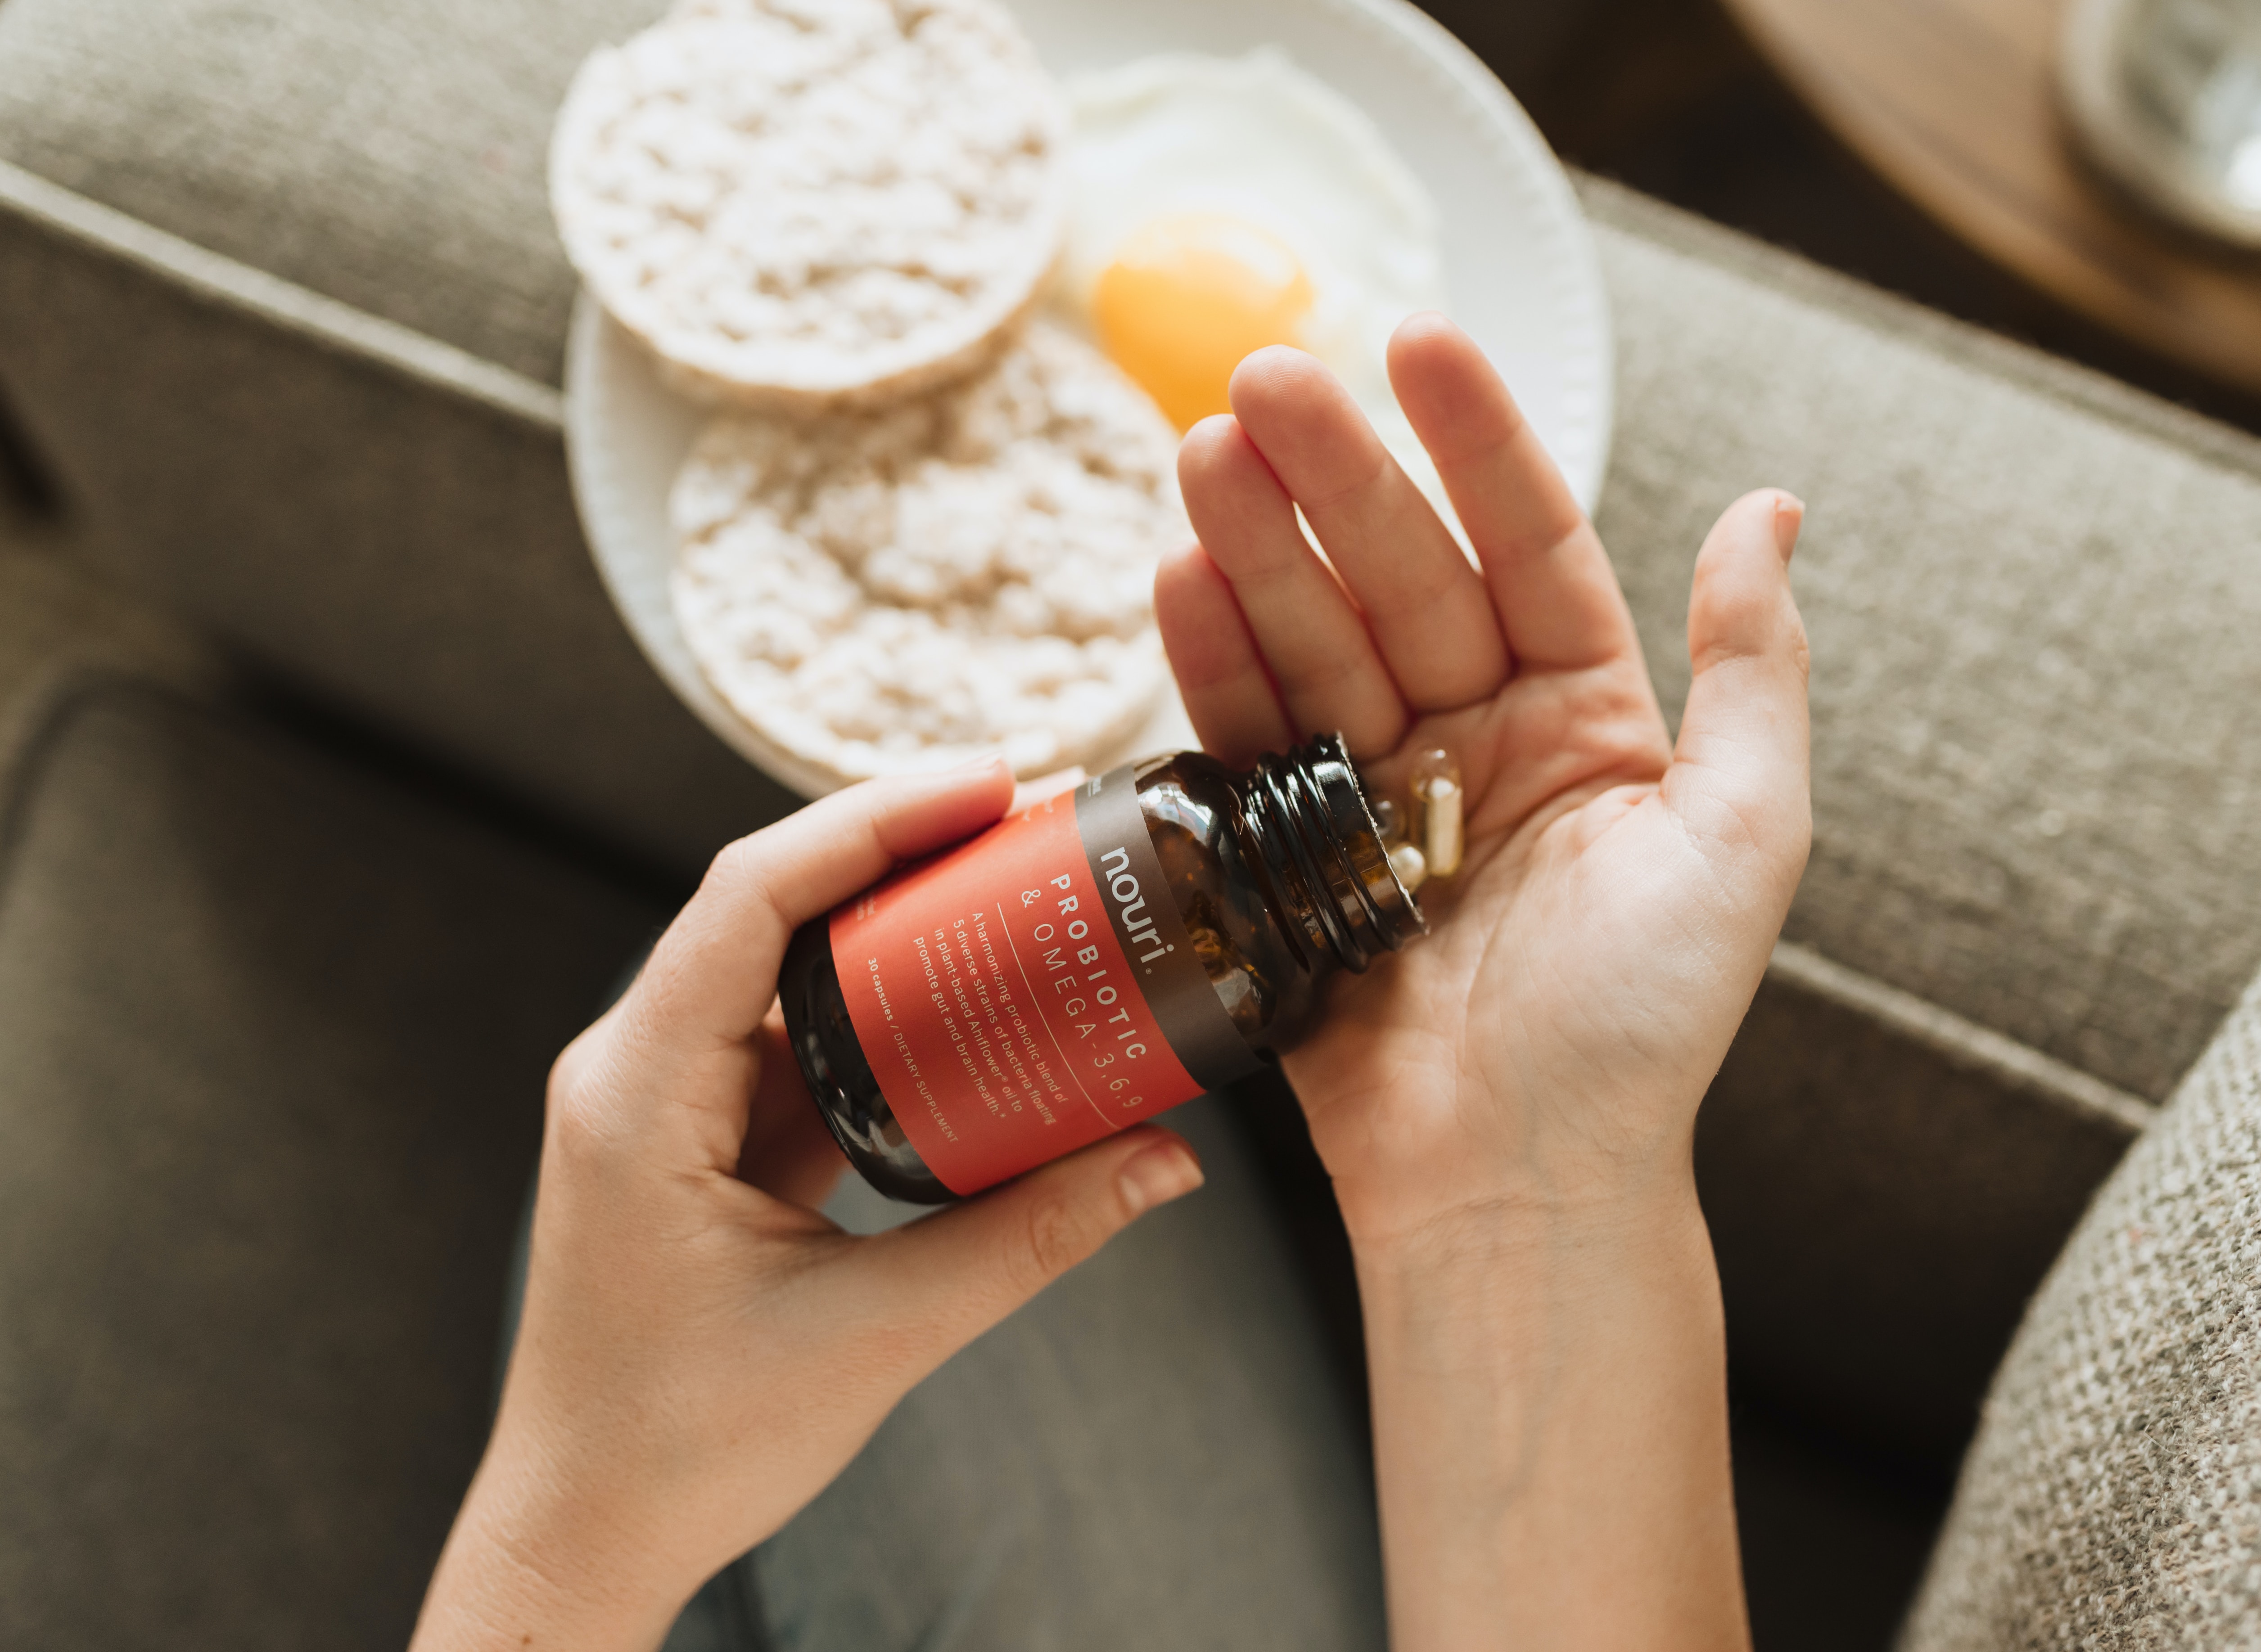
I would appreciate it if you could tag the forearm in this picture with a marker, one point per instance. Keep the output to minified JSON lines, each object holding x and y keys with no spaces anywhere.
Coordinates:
{"x":1551,"y":1431}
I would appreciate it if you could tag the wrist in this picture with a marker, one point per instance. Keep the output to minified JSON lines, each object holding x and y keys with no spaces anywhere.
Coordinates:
{"x":1511,"y":1220}
{"x":1493,"y":1300}
{"x":528,"y":1564}
{"x":1549,"y":1402}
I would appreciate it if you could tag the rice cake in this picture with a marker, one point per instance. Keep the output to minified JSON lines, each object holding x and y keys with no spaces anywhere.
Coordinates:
{"x":796,"y":201}
{"x":965,"y":571}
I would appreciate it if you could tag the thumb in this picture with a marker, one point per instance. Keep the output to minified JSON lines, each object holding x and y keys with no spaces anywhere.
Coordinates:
{"x":943,"y":1282}
{"x":1740,"y":772}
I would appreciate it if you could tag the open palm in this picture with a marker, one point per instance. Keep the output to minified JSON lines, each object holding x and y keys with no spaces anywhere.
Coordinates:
{"x":1593,"y":958}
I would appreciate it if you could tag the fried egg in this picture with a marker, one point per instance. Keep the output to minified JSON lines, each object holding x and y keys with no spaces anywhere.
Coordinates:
{"x":1222,"y":205}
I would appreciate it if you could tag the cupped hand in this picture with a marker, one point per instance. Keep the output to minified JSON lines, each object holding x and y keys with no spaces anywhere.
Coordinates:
{"x":701,"y":1352}
{"x":1547,"y":1045}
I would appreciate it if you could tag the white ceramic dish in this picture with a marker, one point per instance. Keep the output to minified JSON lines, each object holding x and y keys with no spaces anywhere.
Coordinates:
{"x":1519,"y":268}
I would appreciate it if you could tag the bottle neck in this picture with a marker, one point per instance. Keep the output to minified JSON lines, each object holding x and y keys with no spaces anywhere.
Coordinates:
{"x":1323,"y":850}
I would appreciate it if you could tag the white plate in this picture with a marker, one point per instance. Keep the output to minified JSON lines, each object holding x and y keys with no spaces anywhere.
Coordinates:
{"x":1519,"y":268}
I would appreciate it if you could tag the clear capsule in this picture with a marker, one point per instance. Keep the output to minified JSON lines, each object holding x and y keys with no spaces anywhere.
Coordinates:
{"x":1410,"y":865}
{"x":1437,"y":826}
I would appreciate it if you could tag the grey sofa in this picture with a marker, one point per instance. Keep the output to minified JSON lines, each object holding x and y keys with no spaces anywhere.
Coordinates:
{"x":322,"y":752}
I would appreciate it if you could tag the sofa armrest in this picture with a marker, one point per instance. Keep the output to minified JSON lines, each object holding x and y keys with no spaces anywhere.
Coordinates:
{"x":2031,"y":595}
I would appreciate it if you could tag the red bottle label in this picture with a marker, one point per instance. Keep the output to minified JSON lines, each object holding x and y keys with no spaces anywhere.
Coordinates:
{"x":1033,"y":989}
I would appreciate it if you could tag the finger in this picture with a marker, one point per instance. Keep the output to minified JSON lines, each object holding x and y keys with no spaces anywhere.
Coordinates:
{"x":1229,"y":696}
{"x":1310,"y":636}
{"x":1738,"y":774}
{"x":941,"y":1283}
{"x":1552,"y":586}
{"x":787,"y":1152}
{"x":1423,"y":603}
{"x":713,"y":975}
{"x":1030,"y":793}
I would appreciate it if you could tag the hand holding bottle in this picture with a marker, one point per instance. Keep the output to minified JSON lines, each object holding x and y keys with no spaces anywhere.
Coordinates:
{"x":701,"y":1352}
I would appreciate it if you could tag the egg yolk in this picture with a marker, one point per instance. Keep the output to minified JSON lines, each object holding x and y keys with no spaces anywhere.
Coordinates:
{"x":1187,"y":297}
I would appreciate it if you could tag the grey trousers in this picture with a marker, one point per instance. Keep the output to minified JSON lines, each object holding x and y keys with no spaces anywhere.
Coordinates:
{"x":1155,"y":1453}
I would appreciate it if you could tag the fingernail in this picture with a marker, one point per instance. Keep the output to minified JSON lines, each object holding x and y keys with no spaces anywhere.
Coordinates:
{"x":1789,"y":516}
{"x":971,"y":765}
{"x":1163,"y":1172}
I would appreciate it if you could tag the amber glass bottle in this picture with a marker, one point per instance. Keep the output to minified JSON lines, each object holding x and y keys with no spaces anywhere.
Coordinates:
{"x":1156,"y":933}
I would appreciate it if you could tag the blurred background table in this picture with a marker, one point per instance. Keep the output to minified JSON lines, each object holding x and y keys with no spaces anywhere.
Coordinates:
{"x":1953,"y":103}
{"x":1913,"y":143}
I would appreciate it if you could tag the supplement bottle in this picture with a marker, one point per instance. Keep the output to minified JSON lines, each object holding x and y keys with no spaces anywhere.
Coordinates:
{"x":1154,"y":933}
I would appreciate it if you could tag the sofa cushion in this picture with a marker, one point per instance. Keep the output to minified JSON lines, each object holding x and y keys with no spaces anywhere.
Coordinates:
{"x":59,"y":630}
{"x":273,"y":1036}
{"x":2030,"y":899}
{"x":199,"y":416}
{"x":2031,"y":595}
{"x":389,"y":156}
{"x":2109,"y":1499}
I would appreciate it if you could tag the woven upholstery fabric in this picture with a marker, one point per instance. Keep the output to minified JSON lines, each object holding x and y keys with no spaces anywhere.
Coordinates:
{"x":1881,"y":1212}
{"x":408,"y":554}
{"x":2033,"y":600}
{"x":273,"y":1038}
{"x":59,"y":629}
{"x":2112,"y":1498}
{"x":391,"y":155}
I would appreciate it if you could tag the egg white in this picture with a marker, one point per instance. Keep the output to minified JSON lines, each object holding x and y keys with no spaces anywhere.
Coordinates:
{"x":1257,"y":139}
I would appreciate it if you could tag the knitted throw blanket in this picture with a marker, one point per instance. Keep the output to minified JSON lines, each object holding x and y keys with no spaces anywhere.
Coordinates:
{"x":2112,"y":1498}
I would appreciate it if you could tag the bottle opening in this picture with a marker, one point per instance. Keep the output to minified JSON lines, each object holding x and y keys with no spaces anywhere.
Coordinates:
{"x":1324,"y":835}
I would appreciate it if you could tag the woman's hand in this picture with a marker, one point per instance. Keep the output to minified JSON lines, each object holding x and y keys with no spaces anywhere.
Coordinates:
{"x":1592,"y":961}
{"x":700,"y":1351}
{"x":1508,"y":1108}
